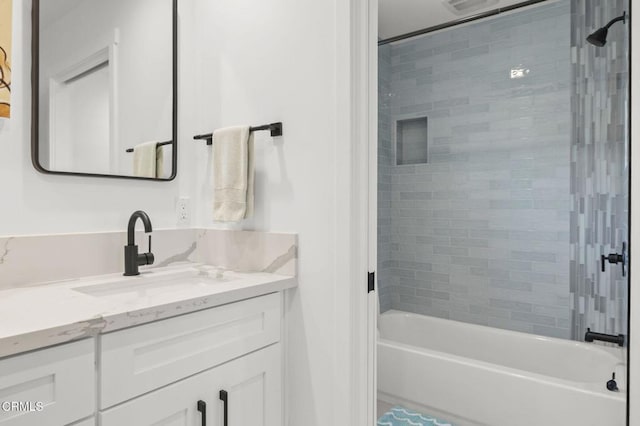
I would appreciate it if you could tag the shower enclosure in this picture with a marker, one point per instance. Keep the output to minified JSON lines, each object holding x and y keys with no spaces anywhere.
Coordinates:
{"x":503,"y":171}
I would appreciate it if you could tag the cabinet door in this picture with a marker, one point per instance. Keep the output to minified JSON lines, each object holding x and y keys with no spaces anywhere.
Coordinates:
{"x":252,"y":387}
{"x":175,"y":405}
{"x":252,"y":383}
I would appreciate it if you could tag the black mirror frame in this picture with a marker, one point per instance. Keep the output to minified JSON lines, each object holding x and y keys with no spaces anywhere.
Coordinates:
{"x":35,"y":93}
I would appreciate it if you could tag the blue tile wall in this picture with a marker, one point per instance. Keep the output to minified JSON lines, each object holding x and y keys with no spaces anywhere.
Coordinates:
{"x":385,"y":158}
{"x":481,"y":232}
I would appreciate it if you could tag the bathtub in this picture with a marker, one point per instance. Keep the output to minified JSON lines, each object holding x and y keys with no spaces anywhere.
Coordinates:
{"x":474,"y":375}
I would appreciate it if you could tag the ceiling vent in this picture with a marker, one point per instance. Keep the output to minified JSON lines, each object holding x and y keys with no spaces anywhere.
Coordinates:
{"x":466,"y":7}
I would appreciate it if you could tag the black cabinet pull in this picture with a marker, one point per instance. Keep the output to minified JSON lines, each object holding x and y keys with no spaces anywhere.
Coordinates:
{"x":202,"y":407}
{"x":224,"y":397}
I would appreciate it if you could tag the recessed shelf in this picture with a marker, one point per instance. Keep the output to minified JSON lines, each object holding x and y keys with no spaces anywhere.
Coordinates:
{"x":412,"y":141}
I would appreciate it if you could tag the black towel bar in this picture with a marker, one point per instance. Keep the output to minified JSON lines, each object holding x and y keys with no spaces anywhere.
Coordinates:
{"x":274,"y":128}
{"x":159,"y":144}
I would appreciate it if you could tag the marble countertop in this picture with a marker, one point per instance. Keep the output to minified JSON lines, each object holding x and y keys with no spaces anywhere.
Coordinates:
{"x":43,"y":315}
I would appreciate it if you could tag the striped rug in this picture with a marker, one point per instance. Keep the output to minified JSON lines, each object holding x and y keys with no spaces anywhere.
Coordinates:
{"x":399,"y":416}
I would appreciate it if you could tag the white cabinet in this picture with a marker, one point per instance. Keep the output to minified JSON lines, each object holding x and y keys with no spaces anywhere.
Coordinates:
{"x":252,"y":384}
{"x":54,"y":386}
{"x":157,"y":374}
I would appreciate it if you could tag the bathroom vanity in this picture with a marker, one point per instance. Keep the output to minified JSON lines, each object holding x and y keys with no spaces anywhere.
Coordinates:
{"x":217,"y":362}
{"x":188,"y":344}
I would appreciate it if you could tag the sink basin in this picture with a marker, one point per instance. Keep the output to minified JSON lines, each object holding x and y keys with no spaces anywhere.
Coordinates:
{"x":151,"y":283}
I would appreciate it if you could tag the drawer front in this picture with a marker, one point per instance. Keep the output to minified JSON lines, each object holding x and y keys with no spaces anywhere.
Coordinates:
{"x":254,"y":394}
{"x":54,"y":386}
{"x":144,"y":358}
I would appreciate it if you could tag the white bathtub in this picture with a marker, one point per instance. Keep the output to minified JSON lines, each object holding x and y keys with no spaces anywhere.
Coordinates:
{"x":474,"y":375}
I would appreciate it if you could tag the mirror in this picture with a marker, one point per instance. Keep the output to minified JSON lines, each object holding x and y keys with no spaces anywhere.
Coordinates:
{"x":104,"y":88}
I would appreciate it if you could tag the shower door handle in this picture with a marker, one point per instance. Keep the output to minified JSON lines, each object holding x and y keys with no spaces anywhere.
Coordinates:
{"x":615,"y":258}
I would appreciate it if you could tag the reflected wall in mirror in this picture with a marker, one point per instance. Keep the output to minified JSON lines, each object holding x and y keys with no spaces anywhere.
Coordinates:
{"x":105,"y":88}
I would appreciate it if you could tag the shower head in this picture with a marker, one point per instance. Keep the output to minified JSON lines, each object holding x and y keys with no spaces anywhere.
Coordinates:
{"x":599,"y":37}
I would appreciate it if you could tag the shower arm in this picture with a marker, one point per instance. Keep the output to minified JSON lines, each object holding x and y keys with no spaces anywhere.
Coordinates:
{"x":622,"y":18}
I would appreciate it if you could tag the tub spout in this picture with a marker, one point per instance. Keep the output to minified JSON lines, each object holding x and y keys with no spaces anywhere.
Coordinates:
{"x":591,"y":336}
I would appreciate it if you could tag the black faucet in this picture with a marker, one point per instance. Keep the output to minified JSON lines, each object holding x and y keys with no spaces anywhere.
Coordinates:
{"x":131,"y":257}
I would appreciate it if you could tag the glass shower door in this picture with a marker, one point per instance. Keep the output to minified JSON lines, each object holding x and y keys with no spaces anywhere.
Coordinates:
{"x":503,"y":218}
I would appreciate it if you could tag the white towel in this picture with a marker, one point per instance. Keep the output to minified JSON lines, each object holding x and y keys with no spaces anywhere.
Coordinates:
{"x":148,"y":160}
{"x":233,"y":171}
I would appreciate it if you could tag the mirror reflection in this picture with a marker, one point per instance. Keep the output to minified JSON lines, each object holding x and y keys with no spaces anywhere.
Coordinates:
{"x":106,"y":87}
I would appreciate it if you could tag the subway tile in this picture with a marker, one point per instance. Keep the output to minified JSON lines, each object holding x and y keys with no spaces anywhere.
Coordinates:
{"x":404,"y":291}
{"x":420,"y":266}
{"x":423,"y":301}
{"x":511,"y":183}
{"x":489,"y":312}
{"x":398,"y":272}
{"x":431,"y":294}
{"x":511,"y":265}
{"x":511,"y":204}
{"x":432,"y":276}
{"x":469,"y":242}
{"x":488,"y":252}
{"x":470,"y":261}
{"x":489,"y":234}
{"x":533,"y":236}
{"x":510,"y":284}
{"x":552,"y":311}
{"x":533,"y":318}
{"x":467,"y":53}
{"x":510,"y":305}
{"x":451,"y":102}
{"x":451,"y":47}
{"x":416,"y":284}
{"x":469,"y":128}
{"x":415,"y":195}
{"x":453,"y":251}
{"x":533,"y":277}
{"x":441,"y":241}
{"x":470,"y":224}
{"x":491,"y":273}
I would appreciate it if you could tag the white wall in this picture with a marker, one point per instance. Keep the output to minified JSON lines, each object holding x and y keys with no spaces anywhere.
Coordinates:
{"x":32,"y":203}
{"x":258,"y":62}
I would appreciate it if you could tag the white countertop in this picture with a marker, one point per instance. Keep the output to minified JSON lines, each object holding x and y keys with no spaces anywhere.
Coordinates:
{"x":52,"y":313}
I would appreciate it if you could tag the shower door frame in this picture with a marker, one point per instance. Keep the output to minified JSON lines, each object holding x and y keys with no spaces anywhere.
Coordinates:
{"x":370,"y":162}
{"x":633,"y":374}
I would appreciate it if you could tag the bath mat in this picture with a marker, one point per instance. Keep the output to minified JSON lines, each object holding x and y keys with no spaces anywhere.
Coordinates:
{"x":399,"y":416}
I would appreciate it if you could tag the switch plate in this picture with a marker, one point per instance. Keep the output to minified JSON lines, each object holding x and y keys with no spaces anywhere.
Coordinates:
{"x":183,"y":211}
